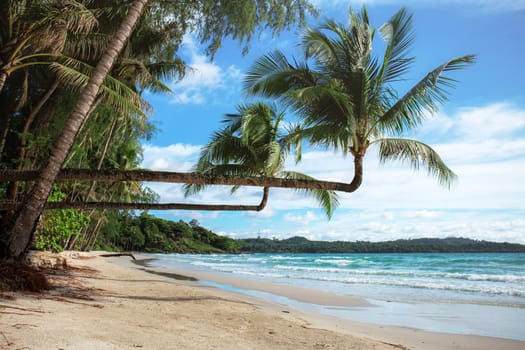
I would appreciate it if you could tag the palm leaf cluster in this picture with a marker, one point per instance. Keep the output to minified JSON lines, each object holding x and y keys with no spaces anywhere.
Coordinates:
{"x":253,"y":143}
{"x":347,"y":98}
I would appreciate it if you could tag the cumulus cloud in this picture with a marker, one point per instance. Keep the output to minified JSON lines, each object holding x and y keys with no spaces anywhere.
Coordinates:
{"x":205,"y":81}
{"x":394,"y":201}
{"x":175,"y":157}
{"x":304,"y":219}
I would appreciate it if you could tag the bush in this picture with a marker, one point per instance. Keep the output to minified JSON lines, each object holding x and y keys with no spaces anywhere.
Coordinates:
{"x":58,"y":225}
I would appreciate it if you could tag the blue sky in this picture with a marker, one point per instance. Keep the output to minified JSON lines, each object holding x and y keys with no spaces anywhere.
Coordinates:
{"x":480,"y":133}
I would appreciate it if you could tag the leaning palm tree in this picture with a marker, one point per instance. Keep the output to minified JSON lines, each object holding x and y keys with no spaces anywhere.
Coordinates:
{"x":19,"y":232}
{"x":346,"y":98}
{"x":253,"y":144}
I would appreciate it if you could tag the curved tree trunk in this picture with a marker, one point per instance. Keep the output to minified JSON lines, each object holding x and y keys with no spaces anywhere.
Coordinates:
{"x":12,"y":190}
{"x":17,"y":236}
{"x":138,"y":206}
{"x":264,"y":200}
{"x":358,"y":172}
{"x":11,"y":205}
{"x":188,"y":178}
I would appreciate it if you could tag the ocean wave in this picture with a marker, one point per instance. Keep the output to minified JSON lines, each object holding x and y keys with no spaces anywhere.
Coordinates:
{"x":488,"y":278}
{"x":430,"y":285}
{"x":338,"y":262}
{"x":489,"y":275}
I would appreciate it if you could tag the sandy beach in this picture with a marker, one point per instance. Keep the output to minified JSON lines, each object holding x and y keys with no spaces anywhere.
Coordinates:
{"x":112,"y":303}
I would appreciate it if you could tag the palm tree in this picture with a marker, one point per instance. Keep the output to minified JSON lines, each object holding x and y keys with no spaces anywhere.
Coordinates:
{"x":253,"y":144}
{"x":346,"y":98}
{"x":212,"y":21}
{"x":33,"y":32}
{"x":20,"y":231}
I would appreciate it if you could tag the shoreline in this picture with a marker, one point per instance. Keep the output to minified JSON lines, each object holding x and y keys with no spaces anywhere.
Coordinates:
{"x":456,"y":317}
{"x":450,"y":317}
{"x":126,"y":307}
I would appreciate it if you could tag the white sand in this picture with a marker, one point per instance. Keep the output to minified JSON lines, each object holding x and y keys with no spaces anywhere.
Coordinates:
{"x":133,"y":309}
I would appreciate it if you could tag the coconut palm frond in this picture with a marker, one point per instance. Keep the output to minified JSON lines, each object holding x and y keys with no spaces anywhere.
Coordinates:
{"x":293,"y":139}
{"x":137,"y":73}
{"x":87,"y":47}
{"x":323,"y":104}
{"x":319,"y":46}
{"x":327,"y":199}
{"x":76,"y":74}
{"x":329,"y":136}
{"x":166,"y":70}
{"x":225,"y":148}
{"x":409,"y":111}
{"x":399,"y":36}
{"x":272,"y":75}
{"x":275,"y":159}
{"x":417,"y":154}
{"x":193,"y":189}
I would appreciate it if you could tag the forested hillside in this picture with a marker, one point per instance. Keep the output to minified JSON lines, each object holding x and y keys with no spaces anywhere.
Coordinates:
{"x":147,"y":233}
{"x":420,"y":245}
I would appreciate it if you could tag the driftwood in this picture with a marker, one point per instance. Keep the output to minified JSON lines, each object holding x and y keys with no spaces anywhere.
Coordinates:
{"x":108,"y":255}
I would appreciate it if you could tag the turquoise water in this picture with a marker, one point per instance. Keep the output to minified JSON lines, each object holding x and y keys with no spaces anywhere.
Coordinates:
{"x":489,"y":278}
{"x":460,"y":293}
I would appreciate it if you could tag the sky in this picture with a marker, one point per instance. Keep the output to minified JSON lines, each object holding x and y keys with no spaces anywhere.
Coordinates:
{"x":479,"y":133}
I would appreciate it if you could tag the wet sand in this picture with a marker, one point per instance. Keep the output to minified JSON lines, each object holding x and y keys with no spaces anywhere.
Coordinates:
{"x":112,"y":303}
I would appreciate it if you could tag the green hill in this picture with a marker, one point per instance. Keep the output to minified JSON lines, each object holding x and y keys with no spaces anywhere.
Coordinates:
{"x":148,"y":233}
{"x":419,"y":245}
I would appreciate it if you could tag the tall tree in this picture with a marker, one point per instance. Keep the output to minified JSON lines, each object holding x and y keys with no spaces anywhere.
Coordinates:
{"x":210,"y":19}
{"x":18,"y":235}
{"x":346,"y":97}
{"x":31,"y":32}
{"x":253,"y":144}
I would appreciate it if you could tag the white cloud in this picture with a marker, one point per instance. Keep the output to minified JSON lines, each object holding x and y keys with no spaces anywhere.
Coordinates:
{"x":394,"y":201}
{"x":421,"y":214}
{"x":205,"y":81}
{"x":305,"y":219}
{"x":175,"y":157}
{"x":498,"y":120}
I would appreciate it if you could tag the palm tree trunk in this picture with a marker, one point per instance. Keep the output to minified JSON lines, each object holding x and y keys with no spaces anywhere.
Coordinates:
{"x":94,"y":235}
{"x":10,"y":205}
{"x":264,"y":200}
{"x":17,"y":236}
{"x":358,"y":172}
{"x":102,"y":157}
{"x":31,"y":117}
{"x":191,"y":178}
{"x":12,"y":190}
{"x":5,"y":131}
{"x":3,"y":78}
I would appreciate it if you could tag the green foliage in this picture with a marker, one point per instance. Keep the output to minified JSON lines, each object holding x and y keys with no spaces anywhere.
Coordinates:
{"x":348,"y":98}
{"x":420,"y":245}
{"x":148,"y":233}
{"x":151,"y":234}
{"x":56,"y":227}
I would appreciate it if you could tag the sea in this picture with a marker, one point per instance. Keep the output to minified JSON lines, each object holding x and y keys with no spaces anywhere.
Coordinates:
{"x":480,"y":294}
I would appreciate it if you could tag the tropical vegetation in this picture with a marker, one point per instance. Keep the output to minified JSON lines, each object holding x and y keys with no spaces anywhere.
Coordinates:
{"x":346,"y":98}
{"x":78,"y":102}
{"x":253,"y":144}
{"x":83,"y":105}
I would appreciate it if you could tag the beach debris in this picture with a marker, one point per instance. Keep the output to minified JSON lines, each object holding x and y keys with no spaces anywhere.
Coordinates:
{"x":109,"y":255}
{"x":20,"y":277}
